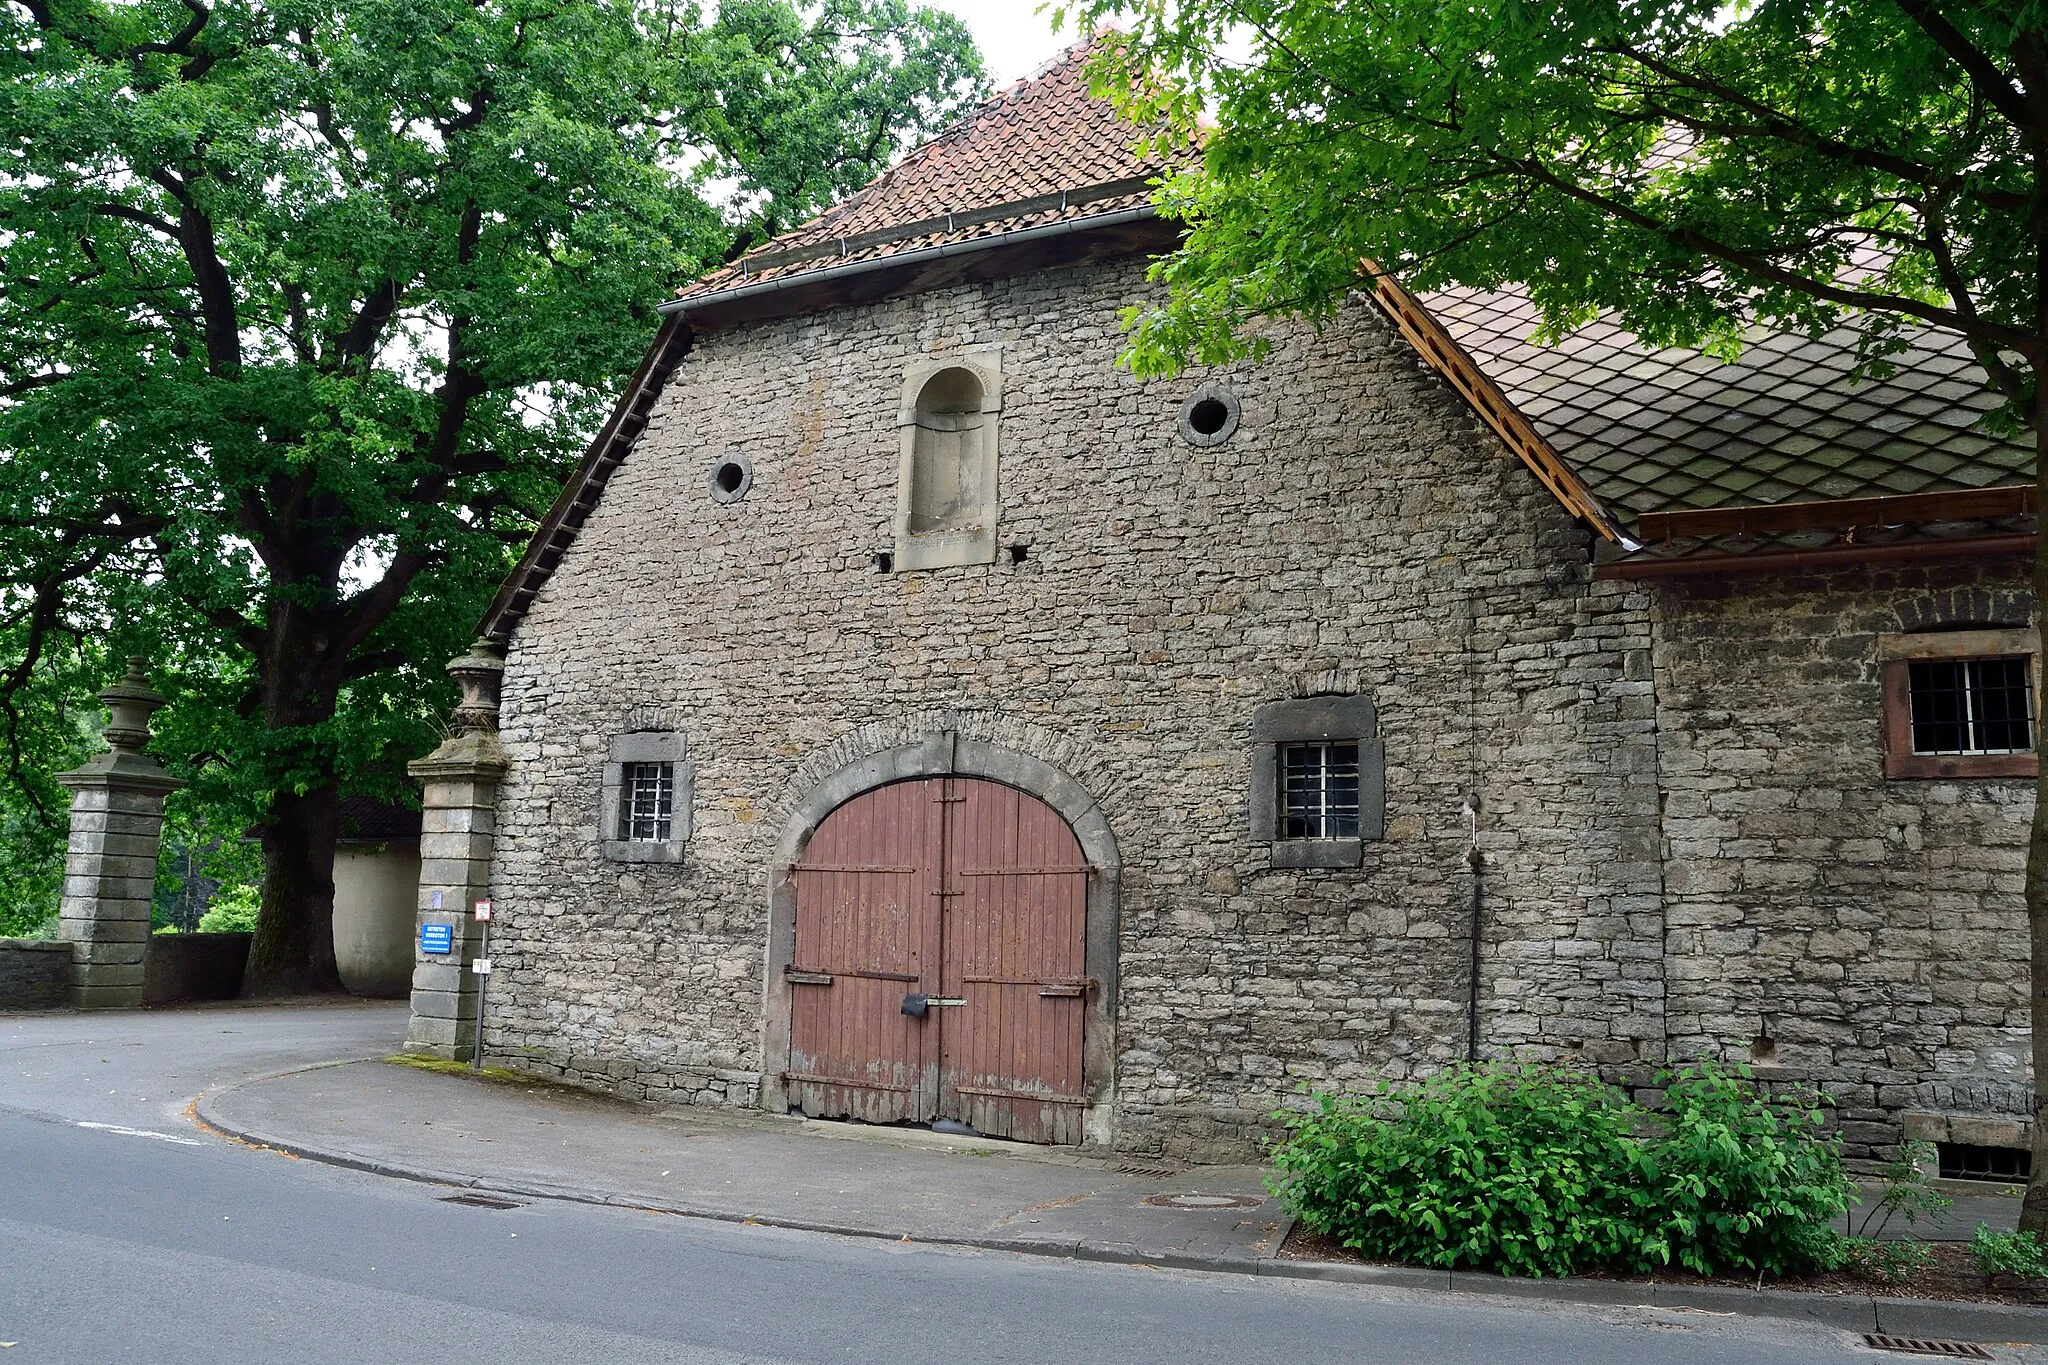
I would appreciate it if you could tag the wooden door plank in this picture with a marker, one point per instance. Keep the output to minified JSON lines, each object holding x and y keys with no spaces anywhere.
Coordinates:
{"x":862,"y":911}
{"x":1011,"y":1058}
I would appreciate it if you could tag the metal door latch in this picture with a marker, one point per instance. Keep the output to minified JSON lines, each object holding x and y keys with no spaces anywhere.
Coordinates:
{"x":916,"y":1005}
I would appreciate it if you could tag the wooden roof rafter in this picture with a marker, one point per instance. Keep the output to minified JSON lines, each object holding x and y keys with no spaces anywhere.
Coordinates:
{"x":1449,"y":359}
{"x":579,"y":496}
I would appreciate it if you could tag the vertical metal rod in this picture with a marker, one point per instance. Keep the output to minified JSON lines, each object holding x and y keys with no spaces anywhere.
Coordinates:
{"x":483,"y":983}
{"x":1474,"y":862}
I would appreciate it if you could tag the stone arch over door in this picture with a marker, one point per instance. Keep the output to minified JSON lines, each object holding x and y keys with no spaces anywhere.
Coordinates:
{"x":942,"y":755}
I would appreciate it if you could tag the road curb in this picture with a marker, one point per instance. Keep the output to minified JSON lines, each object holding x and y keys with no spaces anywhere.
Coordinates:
{"x":1982,"y":1322}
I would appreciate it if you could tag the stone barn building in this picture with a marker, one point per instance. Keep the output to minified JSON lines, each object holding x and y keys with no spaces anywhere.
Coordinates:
{"x":907,"y":715}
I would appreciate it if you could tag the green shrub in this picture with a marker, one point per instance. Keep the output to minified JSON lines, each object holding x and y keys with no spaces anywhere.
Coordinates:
{"x":1741,"y":1182}
{"x":1526,"y":1171}
{"x":1907,"y":1191}
{"x":231,"y":911}
{"x":2008,"y":1253}
{"x":1539,"y":1171}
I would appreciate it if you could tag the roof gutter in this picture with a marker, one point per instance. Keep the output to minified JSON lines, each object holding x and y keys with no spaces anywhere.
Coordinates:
{"x":1841,"y":556}
{"x":919,"y":256}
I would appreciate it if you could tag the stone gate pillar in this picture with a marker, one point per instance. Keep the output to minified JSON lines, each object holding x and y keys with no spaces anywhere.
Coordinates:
{"x":117,"y":818}
{"x":458,"y":826}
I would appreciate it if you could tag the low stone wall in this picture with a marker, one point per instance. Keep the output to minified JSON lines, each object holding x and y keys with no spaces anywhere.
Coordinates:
{"x":194,"y":967}
{"x":33,"y":973}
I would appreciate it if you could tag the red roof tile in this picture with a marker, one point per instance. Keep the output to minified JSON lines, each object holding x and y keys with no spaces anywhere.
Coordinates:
{"x":1041,"y":151}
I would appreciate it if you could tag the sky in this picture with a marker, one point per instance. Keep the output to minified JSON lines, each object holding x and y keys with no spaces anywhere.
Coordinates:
{"x":1014,"y":38}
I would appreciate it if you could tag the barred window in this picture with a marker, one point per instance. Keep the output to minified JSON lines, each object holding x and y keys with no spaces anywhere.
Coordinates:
{"x":1319,"y":791}
{"x":647,"y":798}
{"x":1971,"y":706}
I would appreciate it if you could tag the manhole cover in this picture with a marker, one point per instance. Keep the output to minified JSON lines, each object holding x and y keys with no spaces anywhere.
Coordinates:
{"x":1204,"y":1201}
{"x":1928,"y":1346}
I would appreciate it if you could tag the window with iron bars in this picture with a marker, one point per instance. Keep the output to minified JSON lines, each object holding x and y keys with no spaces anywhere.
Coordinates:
{"x":647,"y":798}
{"x":1318,"y":791}
{"x":1971,"y":706}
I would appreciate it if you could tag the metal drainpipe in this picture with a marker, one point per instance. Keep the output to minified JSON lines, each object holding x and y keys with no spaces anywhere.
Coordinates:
{"x":1474,"y":862}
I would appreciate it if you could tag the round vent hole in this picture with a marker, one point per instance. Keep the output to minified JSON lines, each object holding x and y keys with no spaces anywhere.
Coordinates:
{"x":1208,"y":416}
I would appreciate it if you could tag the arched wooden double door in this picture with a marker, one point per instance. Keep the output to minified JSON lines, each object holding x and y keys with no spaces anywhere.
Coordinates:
{"x":939,"y":962}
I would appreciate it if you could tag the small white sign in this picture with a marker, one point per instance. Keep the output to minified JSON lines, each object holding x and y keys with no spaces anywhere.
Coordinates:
{"x":481,"y":966}
{"x":437,"y":900}
{"x":483,"y":910}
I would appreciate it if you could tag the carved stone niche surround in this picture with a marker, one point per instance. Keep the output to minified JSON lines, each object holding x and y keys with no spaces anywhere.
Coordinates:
{"x":946,"y":497}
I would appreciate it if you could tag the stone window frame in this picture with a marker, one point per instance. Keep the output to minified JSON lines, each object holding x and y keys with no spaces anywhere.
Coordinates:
{"x":948,"y":549}
{"x":645,"y":746}
{"x":1894,"y":655}
{"x":1345,"y":719}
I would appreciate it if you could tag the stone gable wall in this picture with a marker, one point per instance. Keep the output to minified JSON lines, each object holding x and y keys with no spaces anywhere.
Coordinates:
{"x":1358,"y":532}
{"x":1873,"y":930}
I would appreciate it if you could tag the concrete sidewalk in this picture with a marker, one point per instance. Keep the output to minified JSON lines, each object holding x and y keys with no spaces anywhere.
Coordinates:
{"x":514,"y":1139}
{"x":831,"y":1177}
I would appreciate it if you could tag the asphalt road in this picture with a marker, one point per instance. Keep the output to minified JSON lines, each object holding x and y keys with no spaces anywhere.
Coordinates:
{"x":126,"y":1234}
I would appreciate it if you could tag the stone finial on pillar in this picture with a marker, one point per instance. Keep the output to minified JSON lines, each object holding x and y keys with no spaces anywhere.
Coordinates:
{"x":458,"y":826}
{"x":117,"y":817}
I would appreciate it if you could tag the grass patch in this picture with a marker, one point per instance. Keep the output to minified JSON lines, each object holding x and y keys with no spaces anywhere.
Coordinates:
{"x":497,"y":1075}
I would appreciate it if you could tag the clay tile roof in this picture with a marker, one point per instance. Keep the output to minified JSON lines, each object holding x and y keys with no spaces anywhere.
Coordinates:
{"x":1668,"y":430}
{"x":1041,"y":151}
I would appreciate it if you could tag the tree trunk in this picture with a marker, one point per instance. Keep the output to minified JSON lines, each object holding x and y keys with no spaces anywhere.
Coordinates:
{"x":293,"y":953}
{"x":2034,"y":1210}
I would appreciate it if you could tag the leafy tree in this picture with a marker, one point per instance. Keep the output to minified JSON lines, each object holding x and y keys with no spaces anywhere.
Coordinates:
{"x":45,"y":730}
{"x":305,"y":305}
{"x":1692,"y":166}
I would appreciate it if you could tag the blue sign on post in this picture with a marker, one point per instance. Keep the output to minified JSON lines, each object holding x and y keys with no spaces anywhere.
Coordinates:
{"x":437,"y":938}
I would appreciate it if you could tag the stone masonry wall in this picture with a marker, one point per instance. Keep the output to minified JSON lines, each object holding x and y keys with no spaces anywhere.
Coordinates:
{"x":1827,"y":924}
{"x":1358,"y":532}
{"x":34,"y":973}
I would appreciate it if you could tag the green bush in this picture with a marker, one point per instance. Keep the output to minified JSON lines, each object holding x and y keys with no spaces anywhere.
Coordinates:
{"x":1539,"y":1171}
{"x":231,"y":911}
{"x":2008,"y":1253}
{"x":1740,"y":1182}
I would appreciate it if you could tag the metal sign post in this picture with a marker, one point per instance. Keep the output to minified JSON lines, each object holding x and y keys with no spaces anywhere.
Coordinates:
{"x":482,"y":967}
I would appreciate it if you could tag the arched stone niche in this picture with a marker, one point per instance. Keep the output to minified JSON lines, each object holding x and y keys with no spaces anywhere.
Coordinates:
{"x":946,"y":503}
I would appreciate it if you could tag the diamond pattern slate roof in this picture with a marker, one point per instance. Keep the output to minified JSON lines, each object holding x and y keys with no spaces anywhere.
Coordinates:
{"x":1661,"y":430}
{"x":1043,"y":137}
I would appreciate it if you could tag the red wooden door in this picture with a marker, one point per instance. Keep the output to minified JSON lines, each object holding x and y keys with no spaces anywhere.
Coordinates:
{"x":973,"y":895}
{"x":1014,"y":939}
{"x":867,"y":934}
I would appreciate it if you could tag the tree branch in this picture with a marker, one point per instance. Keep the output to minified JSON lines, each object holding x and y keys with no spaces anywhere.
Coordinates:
{"x":371,"y":607}
{"x":1763,"y":268}
{"x":34,"y":381}
{"x":180,"y":44}
{"x":134,"y":215}
{"x":1976,"y":64}
{"x":369,"y":322}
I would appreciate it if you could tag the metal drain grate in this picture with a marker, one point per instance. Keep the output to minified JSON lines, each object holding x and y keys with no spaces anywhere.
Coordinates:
{"x":481,"y":1201}
{"x":1928,"y":1346}
{"x":1140,"y":1168}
